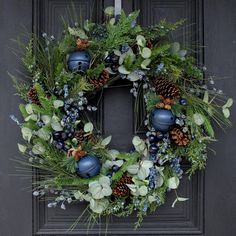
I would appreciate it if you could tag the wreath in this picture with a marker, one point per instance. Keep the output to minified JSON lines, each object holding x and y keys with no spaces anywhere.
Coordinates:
{"x":72,"y":158}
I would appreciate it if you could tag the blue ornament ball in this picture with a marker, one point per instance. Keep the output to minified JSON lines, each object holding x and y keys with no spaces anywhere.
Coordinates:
{"x":88,"y":166}
{"x":159,"y":135}
{"x":153,"y":149}
{"x":78,"y":61}
{"x":152,"y":138}
{"x":183,"y":101}
{"x":162,"y":119}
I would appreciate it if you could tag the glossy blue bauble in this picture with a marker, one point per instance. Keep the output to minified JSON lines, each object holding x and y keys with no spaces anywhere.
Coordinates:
{"x":162,"y":119}
{"x":152,"y":138}
{"x":153,"y":149}
{"x":78,"y":61}
{"x":88,"y":166}
{"x":115,"y":168}
{"x":159,"y":136}
{"x":183,"y":101}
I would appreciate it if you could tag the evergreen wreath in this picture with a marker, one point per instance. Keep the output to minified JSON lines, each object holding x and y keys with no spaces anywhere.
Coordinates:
{"x":62,"y":143}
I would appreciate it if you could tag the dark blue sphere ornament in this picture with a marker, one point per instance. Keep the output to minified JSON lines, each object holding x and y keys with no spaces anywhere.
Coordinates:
{"x":162,"y":119}
{"x":88,"y":166}
{"x":153,"y":149}
{"x":152,"y":138}
{"x":78,"y":61}
{"x":183,"y":101}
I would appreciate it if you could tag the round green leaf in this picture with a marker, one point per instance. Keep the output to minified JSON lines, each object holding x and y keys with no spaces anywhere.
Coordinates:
{"x":88,"y":127}
{"x":146,"y":52}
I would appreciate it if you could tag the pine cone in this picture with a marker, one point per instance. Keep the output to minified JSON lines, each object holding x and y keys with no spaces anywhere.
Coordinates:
{"x":149,"y":44}
{"x":82,"y":43}
{"x":82,"y":136}
{"x":179,"y":137}
{"x":165,"y":103}
{"x":166,"y":88}
{"x":33,"y":96}
{"x":121,"y":189}
{"x":101,"y":80}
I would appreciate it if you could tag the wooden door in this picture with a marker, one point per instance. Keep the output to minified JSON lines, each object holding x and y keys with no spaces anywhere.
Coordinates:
{"x":211,"y":210}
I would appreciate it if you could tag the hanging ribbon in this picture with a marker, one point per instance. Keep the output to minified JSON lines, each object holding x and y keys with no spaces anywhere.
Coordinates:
{"x":117,"y":7}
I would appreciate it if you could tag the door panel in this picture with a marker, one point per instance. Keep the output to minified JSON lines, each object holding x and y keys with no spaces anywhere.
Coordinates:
{"x":116,"y":118}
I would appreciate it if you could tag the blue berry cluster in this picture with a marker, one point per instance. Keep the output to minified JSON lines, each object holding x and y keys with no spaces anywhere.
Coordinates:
{"x":153,"y":177}
{"x":72,"y":111}
{"x":153,"y":139}
{"x":176,"y":167}
{"x":112,"y":61}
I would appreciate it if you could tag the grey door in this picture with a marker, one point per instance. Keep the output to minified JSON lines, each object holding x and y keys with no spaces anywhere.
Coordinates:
{"x":211,"y":210}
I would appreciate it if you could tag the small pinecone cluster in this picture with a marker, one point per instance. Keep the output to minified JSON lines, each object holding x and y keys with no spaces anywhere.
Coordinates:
{"x":179,"y":137}
{"x":121,"y":189}
{"x":101,"y":80}
{"x":166,"y":88}
{"x":82,"y":136}
{"x":82,"y":43}
{"x":33,"y":96}
{"x":149,"y":44}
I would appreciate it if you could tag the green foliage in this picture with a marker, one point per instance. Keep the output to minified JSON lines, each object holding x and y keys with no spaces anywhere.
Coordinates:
{"x":69,"y":164}
{"x":119,"y":33}
{"x":22,"y":88}
{"x":67,"y":44}
{"x":96,"y":71}
{"x":129,"y":160}
{"x":46,"y":103}
{"x":152,"y":100}
{"x":161,"y":29}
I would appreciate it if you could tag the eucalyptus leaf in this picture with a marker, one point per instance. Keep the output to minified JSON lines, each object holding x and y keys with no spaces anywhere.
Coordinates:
{"x":33,"y":117}
{"x":55,"y":124}
{"x":136,"y":140}
{"x":88,"y":127}
{"x":22,"y":148}
{"x":58,"y":103}
{"x":226,"y":112}
{"x":173,"y":183}
{"x":175,"y":47}
{"x":142,"y":173}
{"x":113,"y":153}
{"x":141,"y":41}
{"x":206,"y":97}
{"x":78,"y":195}
{"x":26,"y":133}
{"x":182,"y":53}
{"x":229,"y":103}
{"x":146,"y":52}
{"x":104,"y":180}
{"x":145,"y":63}
{"x":43,"y":134}
{"x":151,"y":198}
{"x":123,"y":70}
{"x":46,"y":119}
{"x":178,"y":199}
{"x":117,"y":52}
{"x":112,"y":21}
{"x":106,"y":141}
{"x":29,"y":109}
{"x":132,"y":187}
{"x":38,"y":149}
{"x":77,"y":32}
{"x":133,"y":77}
{"x":198,"y":119}
{"x":133,"y":169}
{"x":109,"y":11}
{"x":143,"y":190}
